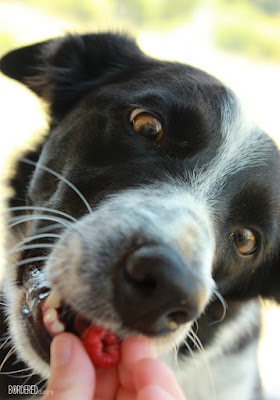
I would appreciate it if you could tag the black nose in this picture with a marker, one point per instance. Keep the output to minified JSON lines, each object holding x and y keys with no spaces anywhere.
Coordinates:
{"x":155,"y":291}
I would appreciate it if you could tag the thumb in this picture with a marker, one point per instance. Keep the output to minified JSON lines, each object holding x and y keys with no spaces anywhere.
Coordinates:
{"x":72,"y":373}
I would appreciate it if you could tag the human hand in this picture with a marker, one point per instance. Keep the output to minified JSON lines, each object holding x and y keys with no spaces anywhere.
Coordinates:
{"x":139,"y":375}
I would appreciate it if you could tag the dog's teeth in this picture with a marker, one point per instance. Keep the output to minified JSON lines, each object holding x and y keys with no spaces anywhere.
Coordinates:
{"x":53,"y":300}
{"x":51,"y":321}
{"x":50,"y":316}
{"x":57,"y":327}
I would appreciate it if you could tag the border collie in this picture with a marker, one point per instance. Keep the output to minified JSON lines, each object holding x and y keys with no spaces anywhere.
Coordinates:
{"x":151,"y":207}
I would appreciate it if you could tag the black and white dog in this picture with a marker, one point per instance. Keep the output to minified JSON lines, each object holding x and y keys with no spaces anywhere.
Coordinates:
{"x":151,"y":207}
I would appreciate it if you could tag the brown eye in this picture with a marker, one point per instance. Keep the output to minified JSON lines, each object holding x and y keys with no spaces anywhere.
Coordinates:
{"x":245,"y":241}
{"x":146,"y":124}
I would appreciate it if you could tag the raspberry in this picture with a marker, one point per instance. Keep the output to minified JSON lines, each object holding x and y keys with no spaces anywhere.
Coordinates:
{"x":102,"y":346}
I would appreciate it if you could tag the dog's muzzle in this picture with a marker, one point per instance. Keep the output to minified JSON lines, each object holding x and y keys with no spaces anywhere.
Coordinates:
{"x":141,"y":263}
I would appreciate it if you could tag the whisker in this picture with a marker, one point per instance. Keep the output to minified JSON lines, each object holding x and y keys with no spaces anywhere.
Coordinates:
{"x":33,"y":237}
{"x":42,"y":389}
{"x":6,"y":335}
{"x":17,"y":371}
{"x":224,"y":304}
{"x":196,"y":325}
{"x":35,"y":217}
{"x":8,"y":355}
{"x":26,"y":380}
{"x":6,"y":341}
{"x":62,"y":178}
{"x":48,"y":228}
{"x":36,"y":259}
{"x":35,"y":246}
{"x":39,"y":383}
{"x":20,"y":376}
{"x":44,"y":386}
{"x":175,"y":351}
{"x":196,"y":341}
{"x":188,"y":347}
{"x":30,"y":260}
{"x":51,"y":210}
{"x":17,"y":361}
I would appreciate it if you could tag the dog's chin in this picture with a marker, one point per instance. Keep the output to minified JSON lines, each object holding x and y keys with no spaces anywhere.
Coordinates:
{"x":27,"y":344}
{"x":32,"y":331}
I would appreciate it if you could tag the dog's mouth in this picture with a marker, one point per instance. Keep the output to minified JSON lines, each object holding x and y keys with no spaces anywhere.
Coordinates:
{"x":47,"y":315}
{"x":58,"y":316}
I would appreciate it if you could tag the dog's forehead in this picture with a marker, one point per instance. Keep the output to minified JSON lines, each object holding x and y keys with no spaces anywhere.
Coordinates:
{"x":168,"y":82}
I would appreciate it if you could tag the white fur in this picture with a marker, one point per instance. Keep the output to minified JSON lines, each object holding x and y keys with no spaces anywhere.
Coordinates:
{"x":242,"y":147}
{"x":219,"y":375}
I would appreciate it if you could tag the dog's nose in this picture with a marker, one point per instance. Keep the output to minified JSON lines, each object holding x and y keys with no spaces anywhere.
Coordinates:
{"x":155,"y":292}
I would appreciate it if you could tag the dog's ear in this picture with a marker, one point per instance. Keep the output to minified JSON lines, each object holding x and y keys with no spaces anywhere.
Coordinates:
{"x":61,"y":70}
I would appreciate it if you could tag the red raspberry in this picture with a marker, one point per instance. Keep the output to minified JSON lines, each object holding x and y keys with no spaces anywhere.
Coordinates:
{"x":102,"y":346}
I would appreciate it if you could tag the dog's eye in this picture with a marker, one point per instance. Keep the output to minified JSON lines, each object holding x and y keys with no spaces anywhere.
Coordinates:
{"x":245,"y":241}
{"x":146,"y":124}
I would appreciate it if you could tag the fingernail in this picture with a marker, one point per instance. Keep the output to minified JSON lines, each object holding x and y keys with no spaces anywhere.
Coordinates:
{"x":61,"y":350}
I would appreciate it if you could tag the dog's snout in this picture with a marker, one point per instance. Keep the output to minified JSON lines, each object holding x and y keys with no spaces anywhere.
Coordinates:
{"x":155,"y":292}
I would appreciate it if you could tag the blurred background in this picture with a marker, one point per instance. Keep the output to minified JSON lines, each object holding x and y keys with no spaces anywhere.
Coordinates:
{"x":236,"y":40}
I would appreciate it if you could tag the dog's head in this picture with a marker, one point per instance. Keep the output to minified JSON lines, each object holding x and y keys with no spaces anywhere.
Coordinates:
{"x":152,"y":196}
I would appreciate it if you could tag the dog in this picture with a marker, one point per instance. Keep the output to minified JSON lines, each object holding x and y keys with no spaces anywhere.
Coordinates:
{"x":151,"y":207}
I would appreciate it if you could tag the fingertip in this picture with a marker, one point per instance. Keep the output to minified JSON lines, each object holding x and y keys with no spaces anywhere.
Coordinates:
{"x":61,"y":350}
{"x":148,"y":372}
{"x":153,"y":392}
{"x":72,"y":372}
{"x":133,"y":349}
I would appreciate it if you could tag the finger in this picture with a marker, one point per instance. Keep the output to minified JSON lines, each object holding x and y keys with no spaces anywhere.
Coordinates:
{"x":107,"y":383}
{"x":72,"y":373}
{"x":133,"y":349}
{"x":153,"y":392}
{"x":124,"y":394}
{"x":149,"y":372}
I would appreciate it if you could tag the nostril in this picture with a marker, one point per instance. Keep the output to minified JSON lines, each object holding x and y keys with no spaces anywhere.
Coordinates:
{"x":176,"y":318}
{"x":139,"y":275}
